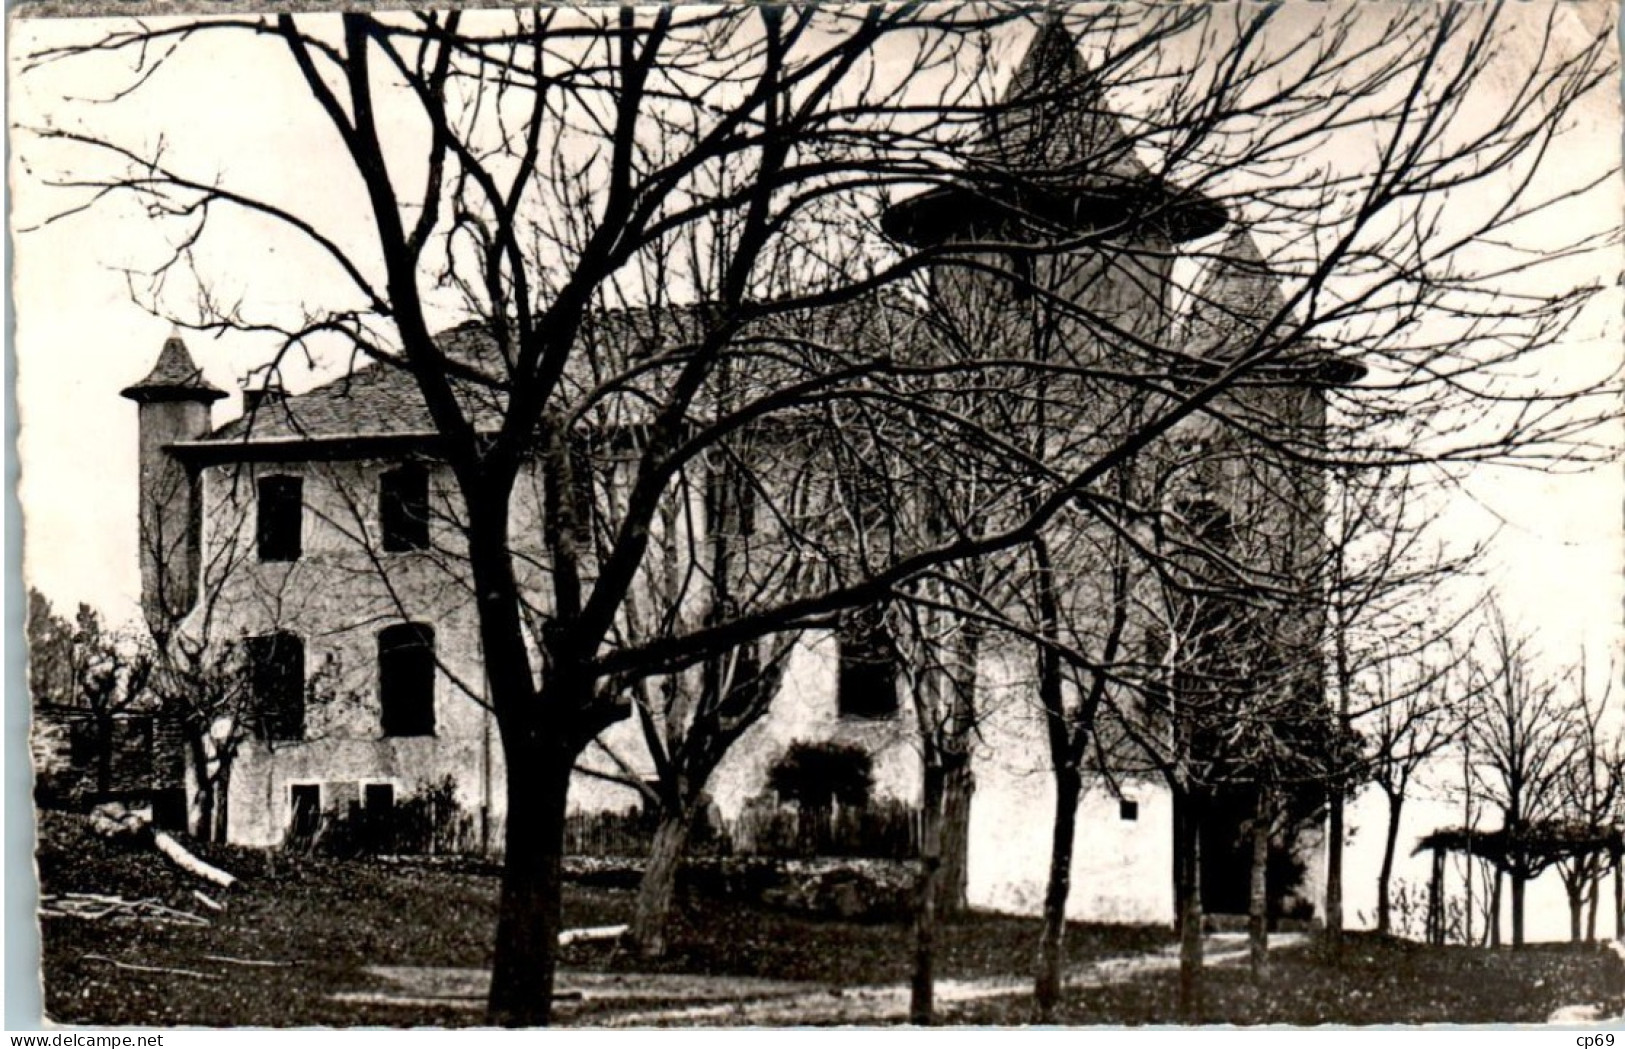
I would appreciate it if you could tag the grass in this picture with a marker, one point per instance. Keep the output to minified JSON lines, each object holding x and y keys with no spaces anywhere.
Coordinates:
{"x":327,"y":921}
{"x":761,"y":942}
{"x":1377,"y":980}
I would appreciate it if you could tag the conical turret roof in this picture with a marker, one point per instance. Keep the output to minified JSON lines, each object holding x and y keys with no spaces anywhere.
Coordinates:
{"x":1235,"y":298}
{"x":176,"y":377}
{"x":1051,"y":156}
{"x":1052,"y":124}
{"x":1238,"y":296}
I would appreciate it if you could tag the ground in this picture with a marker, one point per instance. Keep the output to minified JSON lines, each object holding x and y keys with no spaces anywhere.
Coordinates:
{"x":304,"y":940}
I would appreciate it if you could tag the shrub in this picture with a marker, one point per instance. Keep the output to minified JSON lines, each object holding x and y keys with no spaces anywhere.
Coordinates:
{"x":814,"y":776}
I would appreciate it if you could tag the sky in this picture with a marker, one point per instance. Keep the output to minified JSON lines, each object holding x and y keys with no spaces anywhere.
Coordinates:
{"x":1556,"y":559}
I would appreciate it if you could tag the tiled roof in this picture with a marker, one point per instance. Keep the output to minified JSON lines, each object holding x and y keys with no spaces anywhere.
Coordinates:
{"x":379,"y":399}
{"x":175,"y":377}
{"x":374,"y":399}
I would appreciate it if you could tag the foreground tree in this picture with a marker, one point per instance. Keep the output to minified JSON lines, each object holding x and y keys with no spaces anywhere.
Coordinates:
{"x":1387,"y":632}
{"x":716,"y":171}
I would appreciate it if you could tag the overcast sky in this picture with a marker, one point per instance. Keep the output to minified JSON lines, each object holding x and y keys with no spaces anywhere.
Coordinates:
{"x":80,"y":339}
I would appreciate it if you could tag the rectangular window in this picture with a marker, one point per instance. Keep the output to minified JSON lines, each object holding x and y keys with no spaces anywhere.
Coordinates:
{"x":867,"y":683}
{"x":276,"y":681}
{"x":305,"y":801}
{"x":281,"y":520}
{"x":378,"y":799}
{"x":403,"y":508}
{"x":1128,"y":810}
{"x":406,"y":675}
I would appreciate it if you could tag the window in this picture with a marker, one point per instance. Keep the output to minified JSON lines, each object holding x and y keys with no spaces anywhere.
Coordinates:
{"x":1128,"y":809}
{"x":867,"y":685}
{"x":378,"y":799}
{"x":406,"y":673}
{"x":1021,"y":267}
{"x":403,"y":508}
{"x":1206,"y":521}
{"x":281,"y":518}
{"x":305,"y":800}
{"x":276,"y":681}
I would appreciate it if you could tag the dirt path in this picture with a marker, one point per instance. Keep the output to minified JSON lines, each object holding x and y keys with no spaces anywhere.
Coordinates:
{"x":684,"y":1000}
{"x":889,"y":1004}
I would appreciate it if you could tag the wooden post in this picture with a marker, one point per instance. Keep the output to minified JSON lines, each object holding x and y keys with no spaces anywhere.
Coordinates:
{"x":1435,"y":920}
{"x":1619,"y":897}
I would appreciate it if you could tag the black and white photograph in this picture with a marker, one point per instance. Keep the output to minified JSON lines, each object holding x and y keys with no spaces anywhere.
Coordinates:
{"x":963,"y":514}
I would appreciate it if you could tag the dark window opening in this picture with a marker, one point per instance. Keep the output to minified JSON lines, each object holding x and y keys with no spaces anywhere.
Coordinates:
{"x":306,"y":799}
{"x":583,"y":489}
{"x":276,"y":681}
{"x":378,"y":799}
{"x":169,"y":808}
{"x":281,"y":518}
{"x":867,"y":685}
{"x":1128,"y":809}
{"x":406,"y":673}
{"x":1206,"y":521}
{"x":403,"y":508}
{"x":1021,"y":267}
{"x":730,"y":500}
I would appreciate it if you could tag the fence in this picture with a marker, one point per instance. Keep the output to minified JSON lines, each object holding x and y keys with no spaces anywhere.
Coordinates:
{"x":885,"y":830}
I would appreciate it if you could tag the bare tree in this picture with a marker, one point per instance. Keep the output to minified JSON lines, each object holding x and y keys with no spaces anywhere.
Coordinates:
{"x":50,"y":653}
{"x":1520,"y":730}
{"x":1409,"y":717}
{"x":1591,"y":785}
{"x":86,"y":666}
{"x":1385,"y":625}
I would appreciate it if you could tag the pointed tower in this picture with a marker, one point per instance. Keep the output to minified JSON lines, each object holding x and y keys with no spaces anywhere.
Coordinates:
{"x":174,"y":401}
{"x":1235,"y":298}
{"x":1051,"y":164}
{"x":1052,"y":127}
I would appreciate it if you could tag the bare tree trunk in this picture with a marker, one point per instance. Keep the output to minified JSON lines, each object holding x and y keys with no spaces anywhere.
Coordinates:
{"x":1385,"y":876}
{"x":529,"y":915}
{"x":922,"y":986}
{"x":200,"y":820}
{"x":656,"y":892}
{"x":1575,"y":891}
{"x":1334,"y":873}
{"x":1592,"y":893}
{"x":959,"y":787}
{"x":1052,"y":941}
{"x":1258,"y":902}
{"x":1495,"y":911}
{"x":1619,"y":897}
{"x":1519,"y":883}
{"x":221,"y":795}
{"x":1188,"y":893}
{"x":1435,"y":919}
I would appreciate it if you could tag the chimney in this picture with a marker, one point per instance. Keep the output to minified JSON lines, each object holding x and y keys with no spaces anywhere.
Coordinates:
{"x":173,"y":405}
{"x":263,"y":397}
